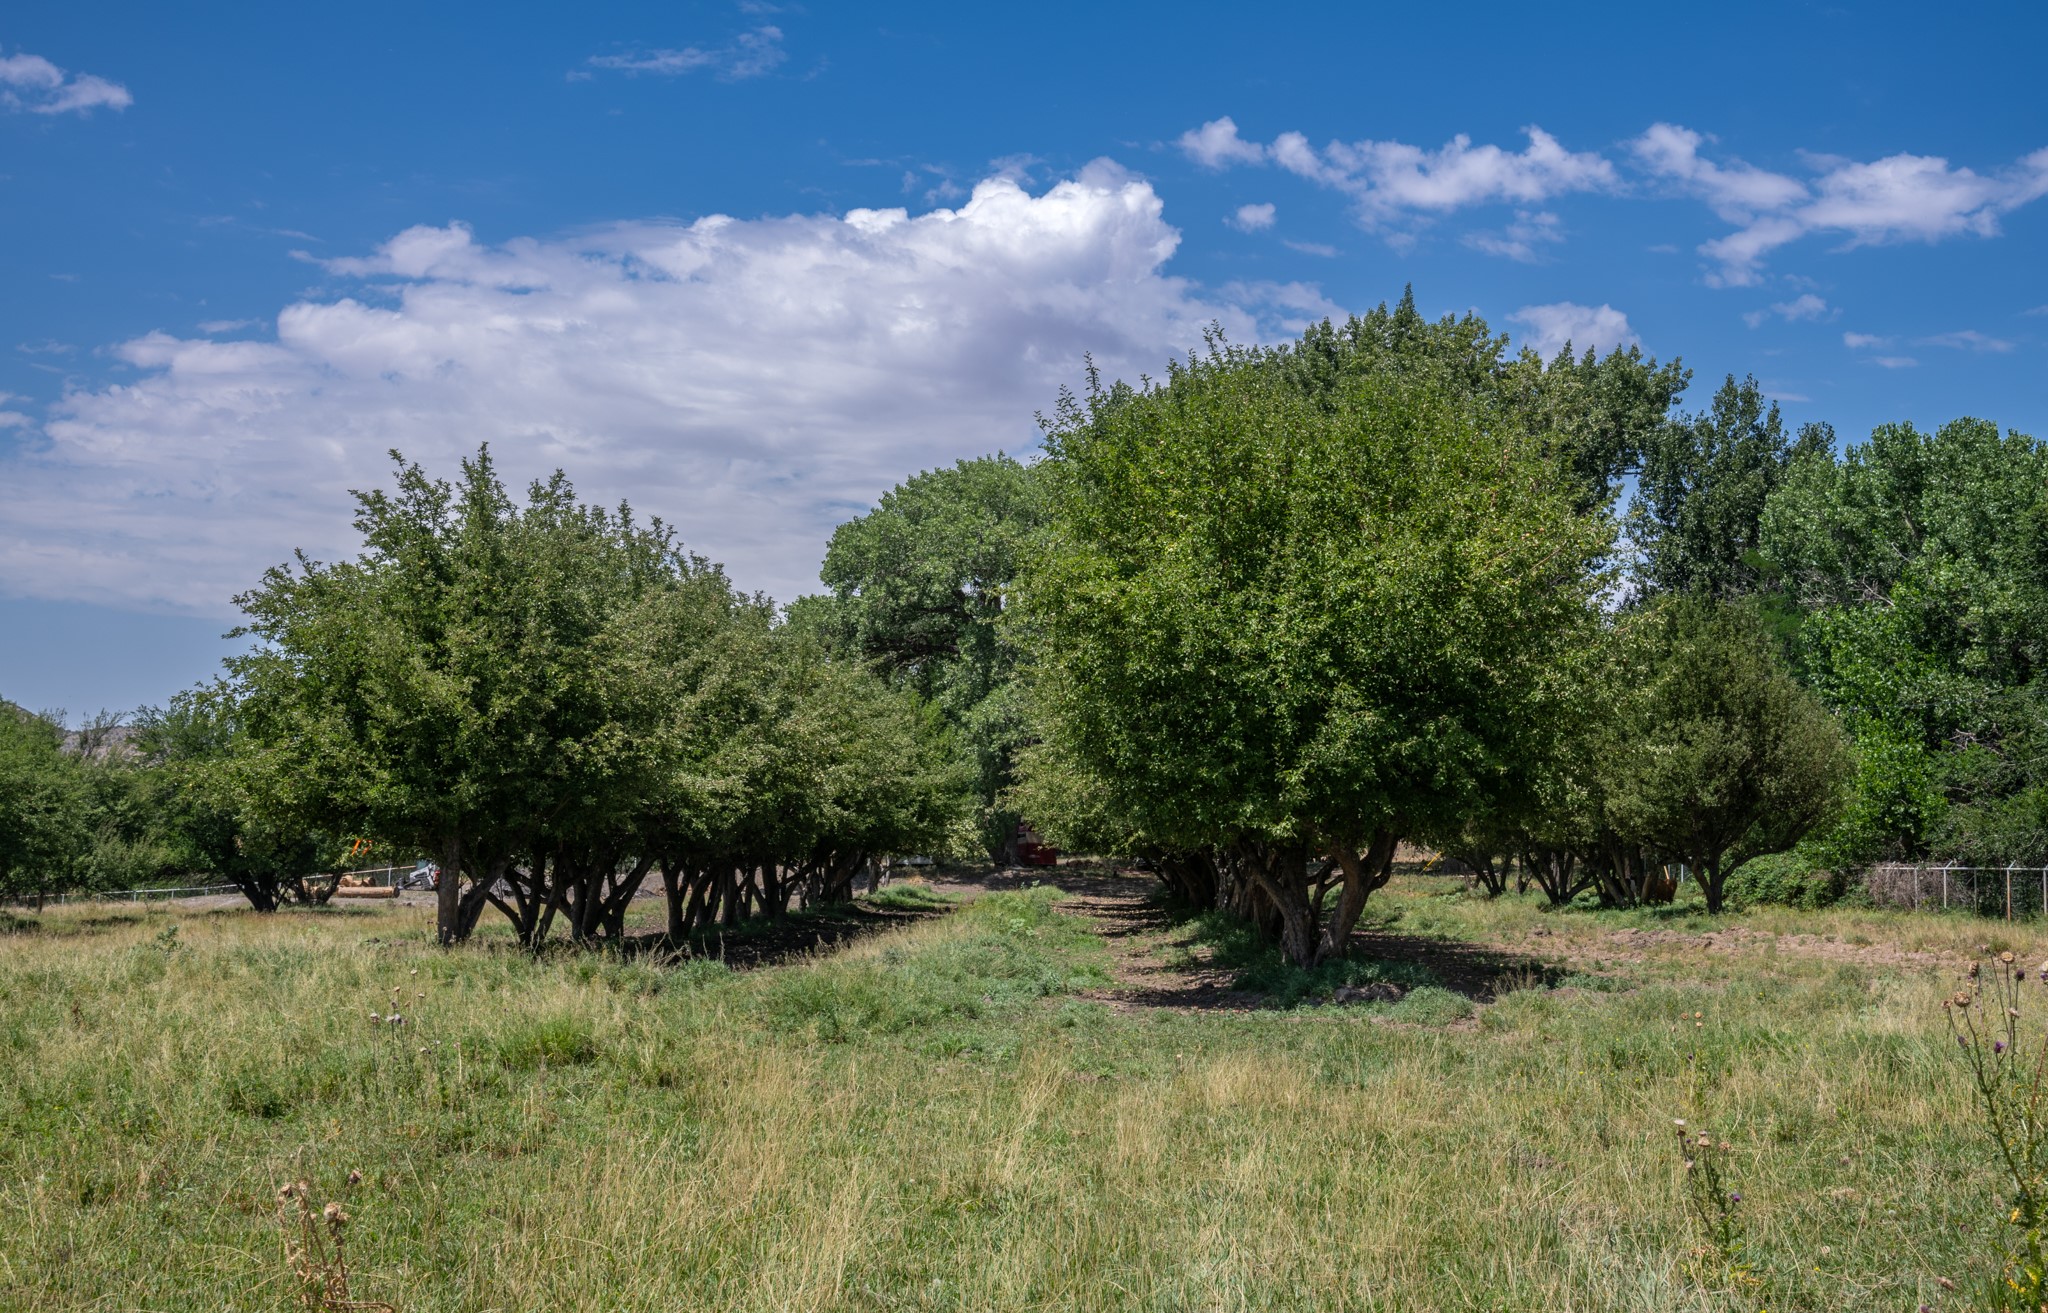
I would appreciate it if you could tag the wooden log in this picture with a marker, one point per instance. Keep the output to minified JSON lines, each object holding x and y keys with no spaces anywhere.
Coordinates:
{"x":365,"y":891}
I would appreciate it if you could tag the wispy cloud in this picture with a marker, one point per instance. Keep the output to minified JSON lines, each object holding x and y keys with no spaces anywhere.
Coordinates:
{"x":1898,"y":198}
{"x":1864,"y":341}
{"x":33,"y":84}
{"x":1894,"y":362}
{"x":1969,"y":339}
{"x":1522,"y":239}
{"x":1806,"y":306}
{"x":748,"y":55}
{"x":1323,"y":249}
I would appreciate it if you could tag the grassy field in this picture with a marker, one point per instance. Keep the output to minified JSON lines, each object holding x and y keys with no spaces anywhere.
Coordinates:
{"x":975,"y":1112}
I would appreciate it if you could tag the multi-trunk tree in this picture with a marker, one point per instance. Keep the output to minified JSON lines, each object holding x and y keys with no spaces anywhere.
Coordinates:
{"x":1285,"y":623}
{"x":556,"y":701}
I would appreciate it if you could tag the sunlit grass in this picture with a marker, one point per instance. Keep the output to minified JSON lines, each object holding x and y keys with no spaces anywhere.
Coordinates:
{"x":929,"y":1119}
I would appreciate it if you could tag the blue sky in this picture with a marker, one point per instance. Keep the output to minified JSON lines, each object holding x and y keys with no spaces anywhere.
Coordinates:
{"x":748,"y":265}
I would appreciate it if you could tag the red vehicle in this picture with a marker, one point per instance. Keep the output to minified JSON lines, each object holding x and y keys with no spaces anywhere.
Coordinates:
{"x":1032,"y":849}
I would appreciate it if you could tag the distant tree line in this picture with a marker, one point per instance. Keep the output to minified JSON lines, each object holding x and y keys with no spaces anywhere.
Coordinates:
{"x":1258,"y":622}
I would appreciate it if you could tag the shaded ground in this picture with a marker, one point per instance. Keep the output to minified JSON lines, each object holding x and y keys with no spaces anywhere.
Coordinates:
{"x":769,"y":943}
{"x":1159,"y":960}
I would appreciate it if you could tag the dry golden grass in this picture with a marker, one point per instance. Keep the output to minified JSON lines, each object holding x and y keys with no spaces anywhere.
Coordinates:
{"x":928,"y":1120}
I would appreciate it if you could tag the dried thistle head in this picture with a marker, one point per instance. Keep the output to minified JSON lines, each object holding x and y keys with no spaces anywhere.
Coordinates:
{"x":2005,"y":958}
{"x":355,"y":1177}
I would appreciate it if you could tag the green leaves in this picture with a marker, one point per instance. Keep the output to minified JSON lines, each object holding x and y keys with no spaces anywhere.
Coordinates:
{"x":1303,"y":593}
{"x":1720,"y":755}
{"x":552,"y":692}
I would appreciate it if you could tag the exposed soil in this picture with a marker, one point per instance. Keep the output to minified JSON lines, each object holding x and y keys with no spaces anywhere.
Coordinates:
{"x":1633,"y":945}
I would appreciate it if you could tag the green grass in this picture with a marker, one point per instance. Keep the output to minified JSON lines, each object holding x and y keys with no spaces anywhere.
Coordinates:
{"x":909,"y":898}
{"x":932,"y":1119}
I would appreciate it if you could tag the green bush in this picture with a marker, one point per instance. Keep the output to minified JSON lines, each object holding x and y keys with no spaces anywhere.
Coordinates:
{"x":1431,"y":1005}
{"x":1787,"y":879}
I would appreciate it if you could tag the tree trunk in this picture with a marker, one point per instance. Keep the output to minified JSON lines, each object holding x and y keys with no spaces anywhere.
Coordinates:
{"x":1709,"y":875}
{"x":448,"y":898}
{"x":1281,"y":873}
{"x":1363,"y":873}
{"x":261,"y":893}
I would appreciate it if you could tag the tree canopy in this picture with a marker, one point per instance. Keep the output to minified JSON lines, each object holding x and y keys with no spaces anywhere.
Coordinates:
{"x":1285,"y":611}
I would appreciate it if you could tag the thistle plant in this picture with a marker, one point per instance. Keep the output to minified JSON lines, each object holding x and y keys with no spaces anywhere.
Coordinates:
{"x":315,"y":1250}
{"x":2009,"y":1068}
{"x":1710,"y":1196}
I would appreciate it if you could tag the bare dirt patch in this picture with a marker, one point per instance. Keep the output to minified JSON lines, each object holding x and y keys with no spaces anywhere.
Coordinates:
{"x":1636,"y":945}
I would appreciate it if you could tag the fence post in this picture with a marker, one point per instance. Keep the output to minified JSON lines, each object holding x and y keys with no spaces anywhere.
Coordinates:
{"x":1944,"y":888}
{"x":2008,"y":890}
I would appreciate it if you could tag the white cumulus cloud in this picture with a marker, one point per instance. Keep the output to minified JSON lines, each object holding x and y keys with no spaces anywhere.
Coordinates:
{"x":1899,"y":198}
{"x":1390,"y":181}
{"x":1549,"y":328}
{"x":753,"y":381}
{"x":32,"y":83}
{"x":1253,"y":218}
{"x":1216,"y":145}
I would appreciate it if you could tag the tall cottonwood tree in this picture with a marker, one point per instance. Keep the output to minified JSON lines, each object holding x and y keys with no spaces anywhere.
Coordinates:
{"x":918,"y":587}
{"x":1698,"y":514}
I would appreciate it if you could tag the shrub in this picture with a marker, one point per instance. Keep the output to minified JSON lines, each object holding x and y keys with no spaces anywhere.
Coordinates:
{"x":1788,"y":879}
{"x":1431,"y":1005}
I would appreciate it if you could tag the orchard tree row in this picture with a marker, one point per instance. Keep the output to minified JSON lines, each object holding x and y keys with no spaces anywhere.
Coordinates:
{"x":1263,"y":618}
{"x":560,"y":706}
{"x":1257,"y":621}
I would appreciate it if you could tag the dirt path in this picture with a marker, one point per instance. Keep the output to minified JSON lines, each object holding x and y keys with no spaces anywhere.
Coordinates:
{"x":1160,"y":964}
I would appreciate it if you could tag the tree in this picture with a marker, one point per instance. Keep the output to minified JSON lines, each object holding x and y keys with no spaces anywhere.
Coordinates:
{"x":1919,"y":564}
{"x":45,"y":809}
{"x":1723,"y":756}
{"x":1289,"y":612}
{"x":558,"y":701}
{"x":918,"y":587}
{"x":474,"y":685}
{"x":205,"y":822}
{"x":1704,"y":484}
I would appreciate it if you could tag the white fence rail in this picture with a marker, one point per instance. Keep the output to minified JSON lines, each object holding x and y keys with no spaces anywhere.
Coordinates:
{"x":126,"y":895}
{"x":2008,"y":891}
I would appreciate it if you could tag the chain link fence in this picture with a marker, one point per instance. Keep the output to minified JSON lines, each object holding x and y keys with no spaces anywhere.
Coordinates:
{"x":2010,"y":892}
